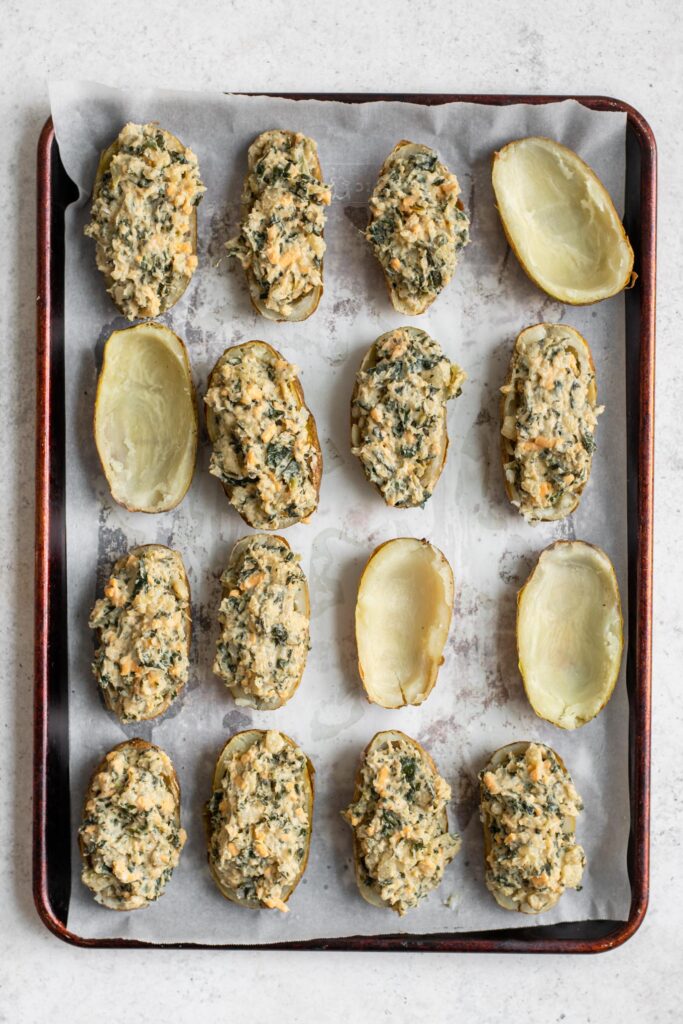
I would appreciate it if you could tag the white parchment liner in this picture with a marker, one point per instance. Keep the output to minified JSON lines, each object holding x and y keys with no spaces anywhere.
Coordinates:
{"x":478,"y":703}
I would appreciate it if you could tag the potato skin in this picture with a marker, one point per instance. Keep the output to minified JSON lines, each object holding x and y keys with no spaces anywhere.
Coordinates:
{"x":243,"y":740}
{"x":212,"y":431}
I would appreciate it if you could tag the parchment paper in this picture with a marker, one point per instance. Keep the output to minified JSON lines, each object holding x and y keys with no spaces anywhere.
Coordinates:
{"x":478,"y":703}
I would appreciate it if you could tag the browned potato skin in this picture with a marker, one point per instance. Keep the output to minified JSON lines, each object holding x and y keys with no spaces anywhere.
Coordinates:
{"x":506,"y":405}
{"x":368,"y":360}
{"x":366,"y":891}
{"x":188,"y":627}
{"x":193,"y":391}
{"x":312,"y":299}
{"x":171,"y":781}
{"x":632,"y":276}
{"x":497,"y":755}
{"x":312,"y":431}
{"x":175,"y":294}
{"x":218,"y":773}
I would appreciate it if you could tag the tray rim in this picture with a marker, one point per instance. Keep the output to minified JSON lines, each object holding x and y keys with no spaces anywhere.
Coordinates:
{"x":639,"y":700}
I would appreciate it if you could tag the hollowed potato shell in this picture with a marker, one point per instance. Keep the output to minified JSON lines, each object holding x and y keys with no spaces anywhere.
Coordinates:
{"x":307,"y":304}
{"x":508,"y":407}
{"x":271,"y":357}
{"x":494,"y":761}
{"x":570,"y":633}
{"x":172,"y":784}
{"x":560,"y":221}
{"x":302,"y":604}
{"x":437,"y":466}
{"x":241,"y":742}
{"x":378,"y":740}
{"x":403,"y":614}
{"x":146,"y":418}
{"x":181,"y":281}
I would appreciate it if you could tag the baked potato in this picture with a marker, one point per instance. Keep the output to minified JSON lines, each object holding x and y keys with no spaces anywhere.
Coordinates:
{"x":548,"y":415}
{"x":130,"y":837}
{"x":259,"y":819}
{"x":266,"y":451}
{"x":417,"y":226}
{"x":401,"y":842}
{"x":403,"y":614}
{"x":399,"y":425}
{"x":145,"y":420}
{"x":144,"y":628}
{"x":528,"y":809}
{"x":264,"y":617}
{"x":281,"y":244}
{"x":570,"y":633}
{"x":560,"y":222}
{"x":144,"y":219}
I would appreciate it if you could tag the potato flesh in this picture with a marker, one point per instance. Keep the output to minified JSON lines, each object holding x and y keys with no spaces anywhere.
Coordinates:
{"x":561,"y":222}
{"x":403,"y":613}
{"x":145,"y":425}
{"x":569,"y":634}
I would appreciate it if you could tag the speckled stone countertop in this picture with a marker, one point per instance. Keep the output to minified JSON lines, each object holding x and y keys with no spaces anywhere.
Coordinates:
{"x":631,"y":49}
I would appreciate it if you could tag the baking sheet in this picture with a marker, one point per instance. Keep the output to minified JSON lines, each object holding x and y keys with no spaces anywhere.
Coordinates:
{"x":478,"y":703}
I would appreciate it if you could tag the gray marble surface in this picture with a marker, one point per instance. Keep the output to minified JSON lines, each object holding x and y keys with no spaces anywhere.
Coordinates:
{"x":631,"y":49}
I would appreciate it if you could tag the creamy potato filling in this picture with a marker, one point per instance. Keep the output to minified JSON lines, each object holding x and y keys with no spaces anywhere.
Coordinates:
{"x":141,"y":219}
{"x":130,"y":835}
{"x":263,"y":450}
{"x":264,"y":633}
{"x":398,"y":824}
{"x":417,"y":226}
{"x":552,"y":430}
{"x":142,"y":660}
{"x":398,"y":418}
{"x":260,"y":821}
{"x":527,"y":804}
{"x":281,"y":238}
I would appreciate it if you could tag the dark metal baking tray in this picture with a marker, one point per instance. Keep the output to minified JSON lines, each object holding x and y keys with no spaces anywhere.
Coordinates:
{"x":51,"y":818}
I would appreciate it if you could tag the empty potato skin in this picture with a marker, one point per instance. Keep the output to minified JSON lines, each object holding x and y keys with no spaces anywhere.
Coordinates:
{"x":307,"y":304}
{"x":271,"y":355}
{"x":436,"y":665}
{"x":508,"y":406}
{"x":629,"y":277}
{"x":177,"y":292}
{"x":170,"y":780}
{"x":101,"y":384}
{"x":610,"y":690}
{"x":242,"y":741}
{"x":496,"y":758}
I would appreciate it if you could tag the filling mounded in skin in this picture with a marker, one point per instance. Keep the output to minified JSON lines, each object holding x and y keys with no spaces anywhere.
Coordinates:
{"x":260,"y":821}
{"x":264,"y":638}
{"x":130,"y":835}
{"x":417,"y":227}
{"x":262,"y":451}
{"x":528,"y":802}
{"x":398,"y":824}
{"x":141,"y":219}
{"x":142,"y":660}
{"x":552,"y":431}
{"x":398,"y":415}
{"x":281,"y":238}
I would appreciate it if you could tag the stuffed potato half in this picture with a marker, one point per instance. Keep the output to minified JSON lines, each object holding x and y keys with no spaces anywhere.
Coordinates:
{"x":264,"y":616}
{"x":528,"y":809}
{"x":401,"y":842}
{"x":548,"y":414}
{"x":144,"y":219}
{"x":281,"y":244}
{"x":130,"y":837}
{"x":266,"y":451}
{"x":260,"y":818}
